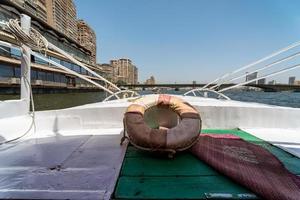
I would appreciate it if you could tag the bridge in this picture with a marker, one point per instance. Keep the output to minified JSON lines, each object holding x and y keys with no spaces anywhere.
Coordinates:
{"x":264,"y":87}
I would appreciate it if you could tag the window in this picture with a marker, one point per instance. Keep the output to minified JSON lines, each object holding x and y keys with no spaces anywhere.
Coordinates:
{"x":63,"y":78}
{"x":17,"y":72}
{"x":41,"y":75}
{"x":33,"y":74}
{"x":6,"y":71}
{"x":83,"y":71}
{"x":39,"y":61}
{"x":4,"y":51}
{"x":78,"y":80}
{"x":76,"y":68}
{"x":56,"y":77}
{"x":50,"y":76}
{"x":66,"y":64}
{"x":15,"y":53}
{"x":55,"y":59}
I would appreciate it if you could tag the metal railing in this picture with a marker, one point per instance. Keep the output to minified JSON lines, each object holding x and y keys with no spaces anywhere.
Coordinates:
{"x":231,"y":76}
{"x":205,"y":92}
{"x":33,"y":39}
{"x":123,"y":94}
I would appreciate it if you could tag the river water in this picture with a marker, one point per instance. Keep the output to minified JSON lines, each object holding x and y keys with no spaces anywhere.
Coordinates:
{"x":59,"y":101}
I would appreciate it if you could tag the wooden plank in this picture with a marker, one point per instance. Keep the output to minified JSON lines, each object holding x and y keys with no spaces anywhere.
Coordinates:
{"x":178,"y":188}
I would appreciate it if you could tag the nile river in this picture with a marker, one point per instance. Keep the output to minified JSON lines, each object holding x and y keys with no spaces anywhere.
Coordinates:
{"x":59,"y":101}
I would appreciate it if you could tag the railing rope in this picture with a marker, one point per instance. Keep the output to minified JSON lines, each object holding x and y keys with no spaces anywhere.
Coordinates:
{"x":266,"y":76}
{"x":260,"y":69}
{"x":120,"y":92}
{"x":205,"y":90}
{"x":296,"y":44}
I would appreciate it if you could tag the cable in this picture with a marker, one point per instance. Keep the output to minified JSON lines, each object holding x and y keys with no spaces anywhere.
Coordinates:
{"x":260,"y":69}
{"x":255,"y":63}
{"x":81,"y":65}
{"x":266,"y":76}
{"x":71,"y":71}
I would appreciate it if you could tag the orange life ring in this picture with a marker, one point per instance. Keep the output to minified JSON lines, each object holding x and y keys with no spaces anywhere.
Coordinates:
{"x":178,"y":138}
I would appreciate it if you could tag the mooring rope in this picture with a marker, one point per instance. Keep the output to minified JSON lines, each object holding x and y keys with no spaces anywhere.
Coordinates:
{"x":34,"y":39}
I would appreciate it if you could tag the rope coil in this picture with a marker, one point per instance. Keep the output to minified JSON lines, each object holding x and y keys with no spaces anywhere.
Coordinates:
{"x":34,"y":40}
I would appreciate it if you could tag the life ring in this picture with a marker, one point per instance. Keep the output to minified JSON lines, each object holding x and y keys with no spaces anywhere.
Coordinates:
{"x":177,"y":138}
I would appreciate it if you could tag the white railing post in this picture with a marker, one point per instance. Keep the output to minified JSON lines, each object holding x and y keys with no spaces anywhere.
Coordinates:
{"x":25,"y":63}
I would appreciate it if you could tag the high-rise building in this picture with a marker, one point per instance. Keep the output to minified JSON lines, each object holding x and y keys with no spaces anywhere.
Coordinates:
{"x":135,"y":71}
{"x":61,"y":14}
{"x":108,"y":71}
{"x":124,"y":71}
{"x":29,"y":5}
{"x":36,"y":7}
{"x":251,"y":76}
{"x":292,"y":80}
{"x":297,"y":82}
{"x":87,"y":38}
{"x":273,"y":82}
{"x":150,"y":81}
{"x":261,"y":81}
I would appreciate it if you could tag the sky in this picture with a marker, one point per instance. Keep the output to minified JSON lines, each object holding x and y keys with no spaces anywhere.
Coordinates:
{"x":192,"y":40}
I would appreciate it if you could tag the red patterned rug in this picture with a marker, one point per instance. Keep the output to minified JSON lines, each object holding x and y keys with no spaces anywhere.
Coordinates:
{"x":249,"y":165}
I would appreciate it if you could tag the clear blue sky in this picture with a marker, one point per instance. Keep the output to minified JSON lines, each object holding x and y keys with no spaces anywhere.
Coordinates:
{"x":184,"y":40}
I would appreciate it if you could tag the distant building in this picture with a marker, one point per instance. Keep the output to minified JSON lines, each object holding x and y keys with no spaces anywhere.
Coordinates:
{"x":87,"y":38}
{"x":124,"y":71}
{"x":292,"y":80}
{"x":251,"y":76}
{"x":297,"y":82}
{"x":273,"y":82}
{"x":61,"y":15}
{"x":150,"y":81}
{"x":136,"y":72}
{"x":108,"y":71}
{"x":261,"y":81}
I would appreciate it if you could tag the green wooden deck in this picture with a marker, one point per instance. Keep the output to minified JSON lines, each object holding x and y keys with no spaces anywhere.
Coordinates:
{"x":146,"y":176}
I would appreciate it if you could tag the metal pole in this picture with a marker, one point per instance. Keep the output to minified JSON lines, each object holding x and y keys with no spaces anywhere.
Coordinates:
{"x":25,"y":63}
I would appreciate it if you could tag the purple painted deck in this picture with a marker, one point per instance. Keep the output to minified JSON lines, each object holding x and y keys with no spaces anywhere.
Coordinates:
{"x":61,"y":167}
